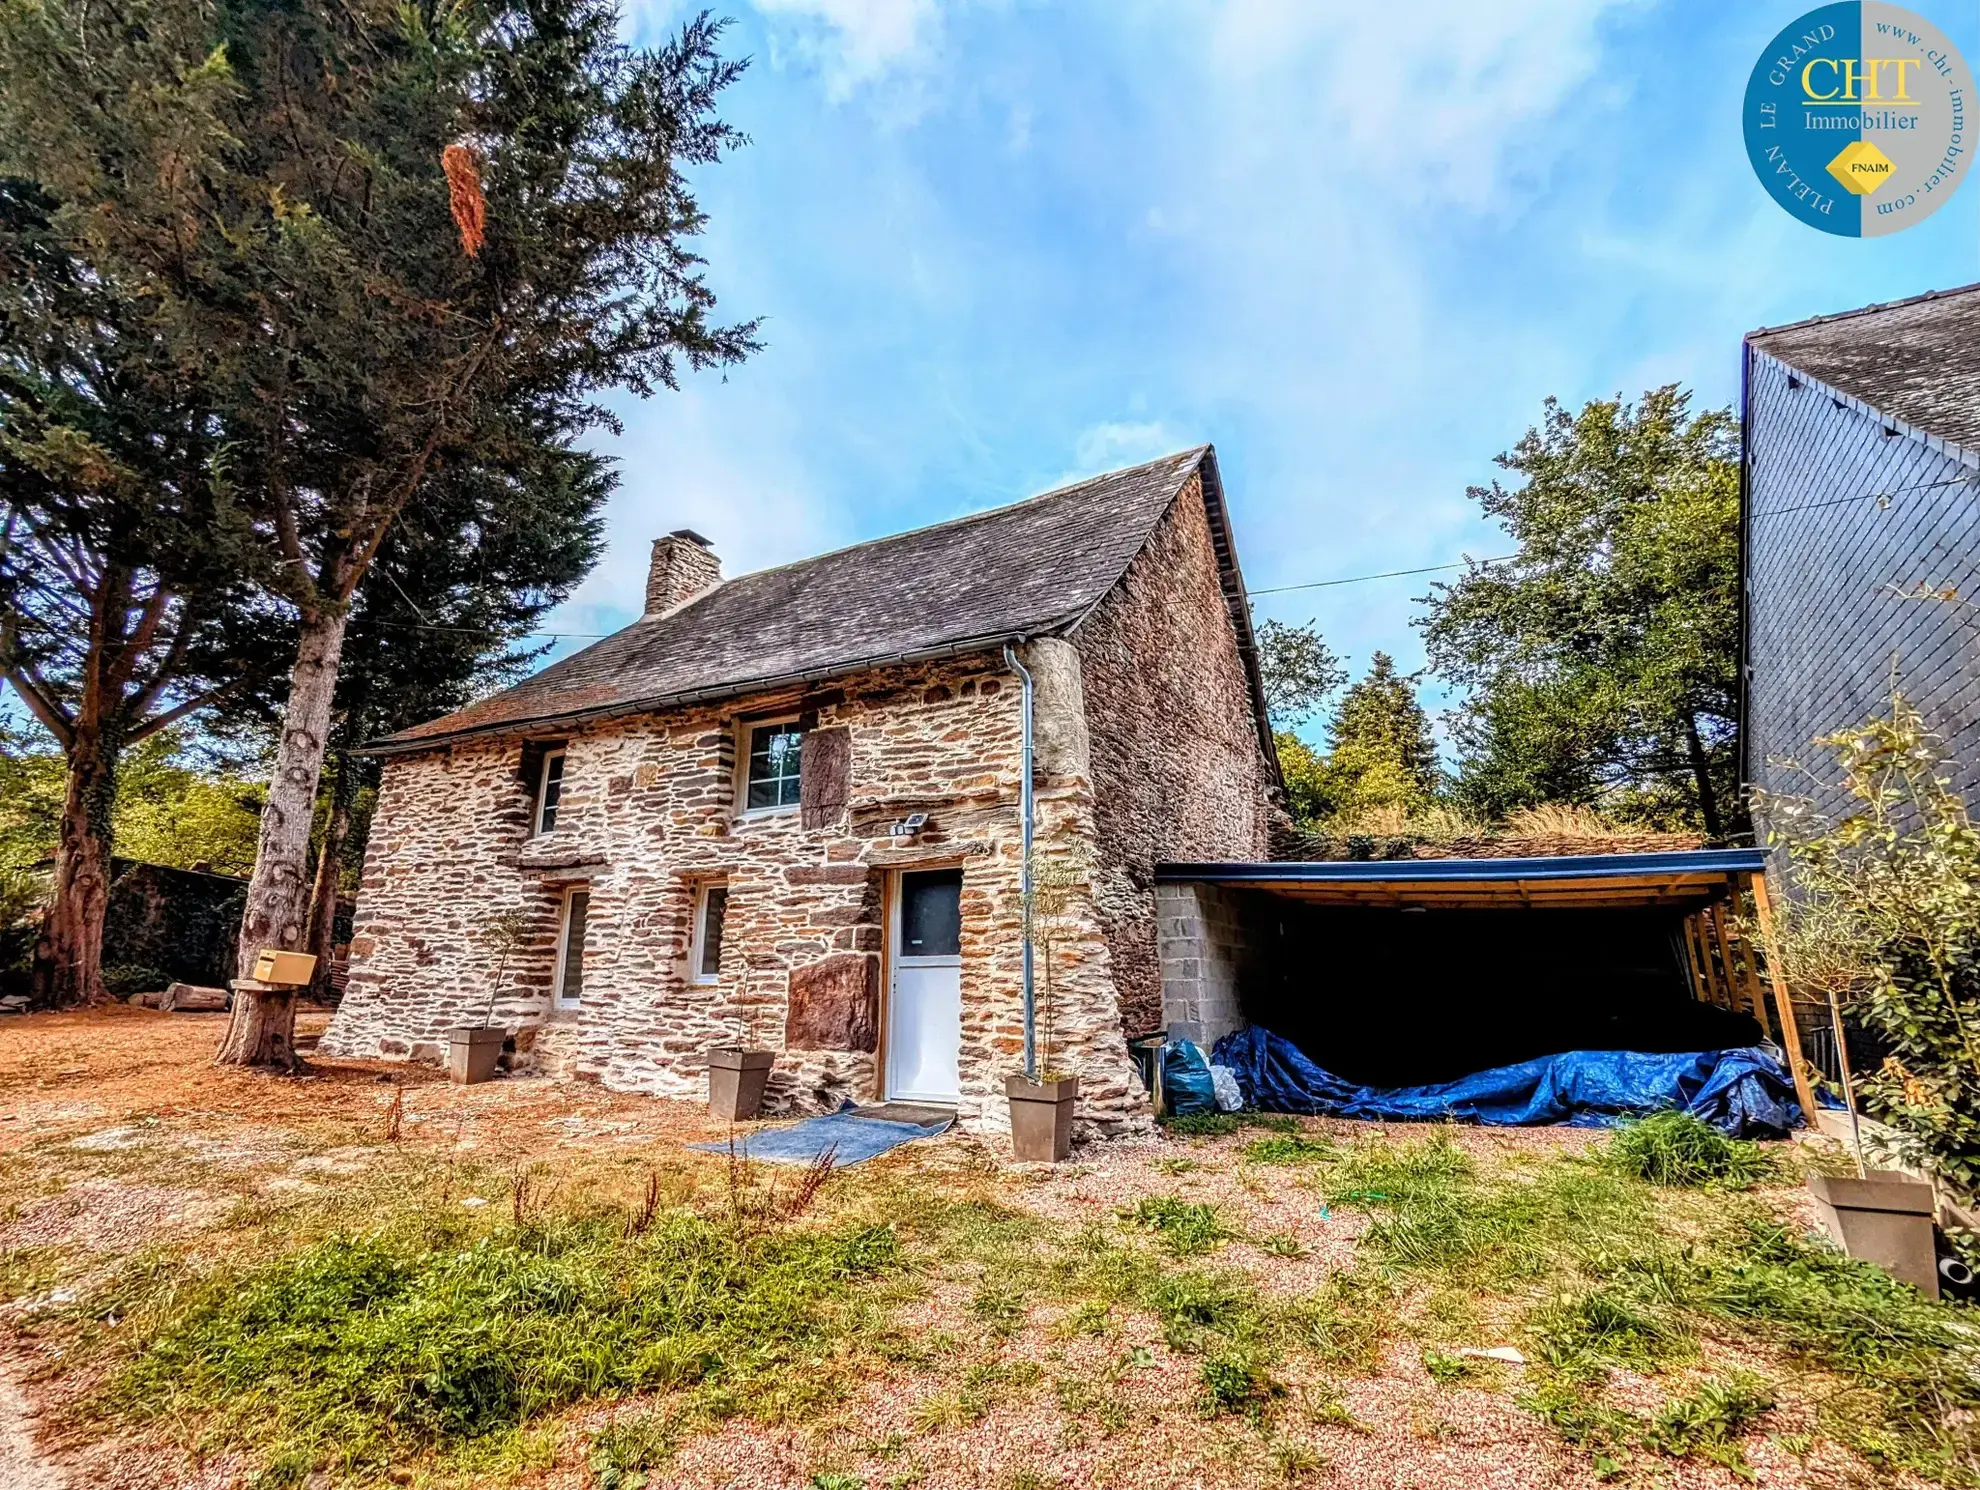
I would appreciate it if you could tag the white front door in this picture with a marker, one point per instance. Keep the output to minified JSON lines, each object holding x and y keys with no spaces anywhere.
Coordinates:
{"x":924,"y":1010}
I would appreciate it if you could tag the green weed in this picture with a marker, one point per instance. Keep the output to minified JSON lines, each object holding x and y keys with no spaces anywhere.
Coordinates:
{"x":1445,"y":1369}
{"x":1290,"y":1148}
{"x":1236,"y":1382}
{"x":623,"y":1452}
{"x":1709,"y":1421}
{"x":1185,"y":1228}
{"x":1675,"y":1148}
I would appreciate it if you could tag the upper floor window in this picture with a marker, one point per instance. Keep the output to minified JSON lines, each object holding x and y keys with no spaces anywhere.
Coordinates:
{"x":774,"y":751}
{"x":549,"y":791}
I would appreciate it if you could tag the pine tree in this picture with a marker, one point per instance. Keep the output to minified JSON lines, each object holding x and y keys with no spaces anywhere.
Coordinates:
{"x":366,"y":235}
{"x":1380,"y":750}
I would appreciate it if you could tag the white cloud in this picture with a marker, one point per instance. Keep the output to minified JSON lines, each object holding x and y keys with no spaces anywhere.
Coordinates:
{"x":1423,"y":99}
{"x":1109,"y":446}
{"x":856,"y":42}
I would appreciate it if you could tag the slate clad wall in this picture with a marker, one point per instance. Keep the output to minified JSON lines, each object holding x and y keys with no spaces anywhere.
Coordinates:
{"x":1842,"y":518}
{"x":1177,"y":771}
{"x":647,"y":815}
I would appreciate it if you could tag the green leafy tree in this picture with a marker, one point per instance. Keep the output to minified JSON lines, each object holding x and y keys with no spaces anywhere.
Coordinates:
{"x":1299,"y":669}
{"x":1380,"y":752}
{"x":1603,"y":658}
{"x":367,"y":235}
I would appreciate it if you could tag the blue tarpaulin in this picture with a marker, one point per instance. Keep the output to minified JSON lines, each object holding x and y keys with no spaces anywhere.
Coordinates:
{"x":1745,"y":1093}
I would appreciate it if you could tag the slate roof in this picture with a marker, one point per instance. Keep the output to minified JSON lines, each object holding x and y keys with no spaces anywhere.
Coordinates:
{"x":1033,"y":568}
{"x":1916,"y":360}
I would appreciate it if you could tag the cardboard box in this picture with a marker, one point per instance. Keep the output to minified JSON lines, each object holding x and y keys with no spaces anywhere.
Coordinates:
{"x":293,"y":968}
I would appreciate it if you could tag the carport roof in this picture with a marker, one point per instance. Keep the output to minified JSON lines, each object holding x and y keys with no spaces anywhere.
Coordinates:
{"x":1688,"y":878}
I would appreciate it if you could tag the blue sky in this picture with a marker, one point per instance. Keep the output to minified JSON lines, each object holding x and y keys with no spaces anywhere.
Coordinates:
{"x":999,"y":245}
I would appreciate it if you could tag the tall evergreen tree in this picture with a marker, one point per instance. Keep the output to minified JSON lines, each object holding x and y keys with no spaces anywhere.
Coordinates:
{"x":1380,"y":750}
{"x":124,"y":603}
{"x":371,"y":232}
{"x":1604,"y":658}
{"x":449,"y":611}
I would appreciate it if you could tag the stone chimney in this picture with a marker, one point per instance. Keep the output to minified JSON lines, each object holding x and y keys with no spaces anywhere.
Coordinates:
{"x":684,"y":566}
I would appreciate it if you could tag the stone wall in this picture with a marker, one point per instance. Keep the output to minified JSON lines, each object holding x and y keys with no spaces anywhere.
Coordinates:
{"x":1178,"y":775}
{"x":649,"y":814}
{"x":1214,"y":942}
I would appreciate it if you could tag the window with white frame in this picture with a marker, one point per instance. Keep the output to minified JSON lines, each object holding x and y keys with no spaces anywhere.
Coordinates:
{"x":771,"y":775}
{"x":569,"y":984}
{"x":711,"y":910}
{"x":549,"y":792}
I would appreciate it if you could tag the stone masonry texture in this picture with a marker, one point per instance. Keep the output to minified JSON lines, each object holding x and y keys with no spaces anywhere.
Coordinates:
{"x":1146,"y":751}
{"x":1847,"y":516}
{"x":1177,"y":771}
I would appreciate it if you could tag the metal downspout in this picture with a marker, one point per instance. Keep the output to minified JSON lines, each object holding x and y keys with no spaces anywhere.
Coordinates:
{"x":1024,"y":871}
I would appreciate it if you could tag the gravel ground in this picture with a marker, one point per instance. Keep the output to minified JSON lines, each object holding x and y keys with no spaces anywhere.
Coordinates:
{"x":123,"y":1133}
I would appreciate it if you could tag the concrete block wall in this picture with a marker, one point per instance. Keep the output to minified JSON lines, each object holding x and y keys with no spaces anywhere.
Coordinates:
{"x":1210,"y":946}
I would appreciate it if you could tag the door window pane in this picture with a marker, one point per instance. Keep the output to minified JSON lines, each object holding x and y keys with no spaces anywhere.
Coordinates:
{"x":714,"y":910}
{"x":931,"y":914}
{"x":571,"y":987}
{"x":774,"y":753}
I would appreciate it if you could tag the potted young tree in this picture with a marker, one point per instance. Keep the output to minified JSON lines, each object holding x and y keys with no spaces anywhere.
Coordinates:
{"x":737,"y":1076}
{"x":1043,"y":1104}
{"x":474,"y":1050}
{"x":1885,"y":919}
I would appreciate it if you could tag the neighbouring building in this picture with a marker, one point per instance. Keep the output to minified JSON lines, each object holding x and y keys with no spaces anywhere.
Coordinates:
{"x":782,"y":810}
{"x":1861,"y":533}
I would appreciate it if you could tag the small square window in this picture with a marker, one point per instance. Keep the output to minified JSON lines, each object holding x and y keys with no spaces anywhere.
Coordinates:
{"x":711,"y":910}
{"x":549,"y":791}
{"x":774,"y":754}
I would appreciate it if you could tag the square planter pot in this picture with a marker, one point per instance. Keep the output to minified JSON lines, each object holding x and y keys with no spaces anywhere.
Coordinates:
{"x":736,"y":1079}
{"x":1885,"y":1218}
{"x":1041,"y":1117}
{"x":472,"y":1051}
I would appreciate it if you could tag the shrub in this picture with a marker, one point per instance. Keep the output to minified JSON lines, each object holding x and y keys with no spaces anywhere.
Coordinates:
{"x":1886,"y":916}
{"x":1677,"y":1149}
{"x":127,"y":978}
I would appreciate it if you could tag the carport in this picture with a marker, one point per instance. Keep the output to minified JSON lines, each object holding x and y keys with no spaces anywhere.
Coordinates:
{"x":1411,"y":971}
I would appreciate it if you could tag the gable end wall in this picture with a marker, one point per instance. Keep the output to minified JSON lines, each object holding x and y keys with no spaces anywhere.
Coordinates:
{"x":1177,"y":771}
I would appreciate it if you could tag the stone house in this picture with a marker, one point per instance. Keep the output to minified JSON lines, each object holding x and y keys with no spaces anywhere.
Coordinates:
{"x":782,"y":810}
{"x":1861,"y":542}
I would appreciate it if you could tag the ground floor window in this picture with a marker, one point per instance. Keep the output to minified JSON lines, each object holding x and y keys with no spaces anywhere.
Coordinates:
{"x":570,"y":949}
{"x":711,"y":909}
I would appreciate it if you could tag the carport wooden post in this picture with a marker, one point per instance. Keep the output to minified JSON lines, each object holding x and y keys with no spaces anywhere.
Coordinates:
{"x":1691,"y":963}
{"x":1701,"y":974}
{"x":1718,"y":914}
{"x":1763,"y":912}
{"x":1748,"y":961}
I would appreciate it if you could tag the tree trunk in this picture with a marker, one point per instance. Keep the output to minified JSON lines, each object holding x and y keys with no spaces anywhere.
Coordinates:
{"x":330,"y":875}
{"x":68,"y":956}
{"x":277,"y":915}
{"x":1701,"y":773}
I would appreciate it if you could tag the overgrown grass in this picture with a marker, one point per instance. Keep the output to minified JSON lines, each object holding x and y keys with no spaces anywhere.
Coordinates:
{"x":1677,"y":1149}
{"x":363,"y":1347}
{"x":1606,"y":1283}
